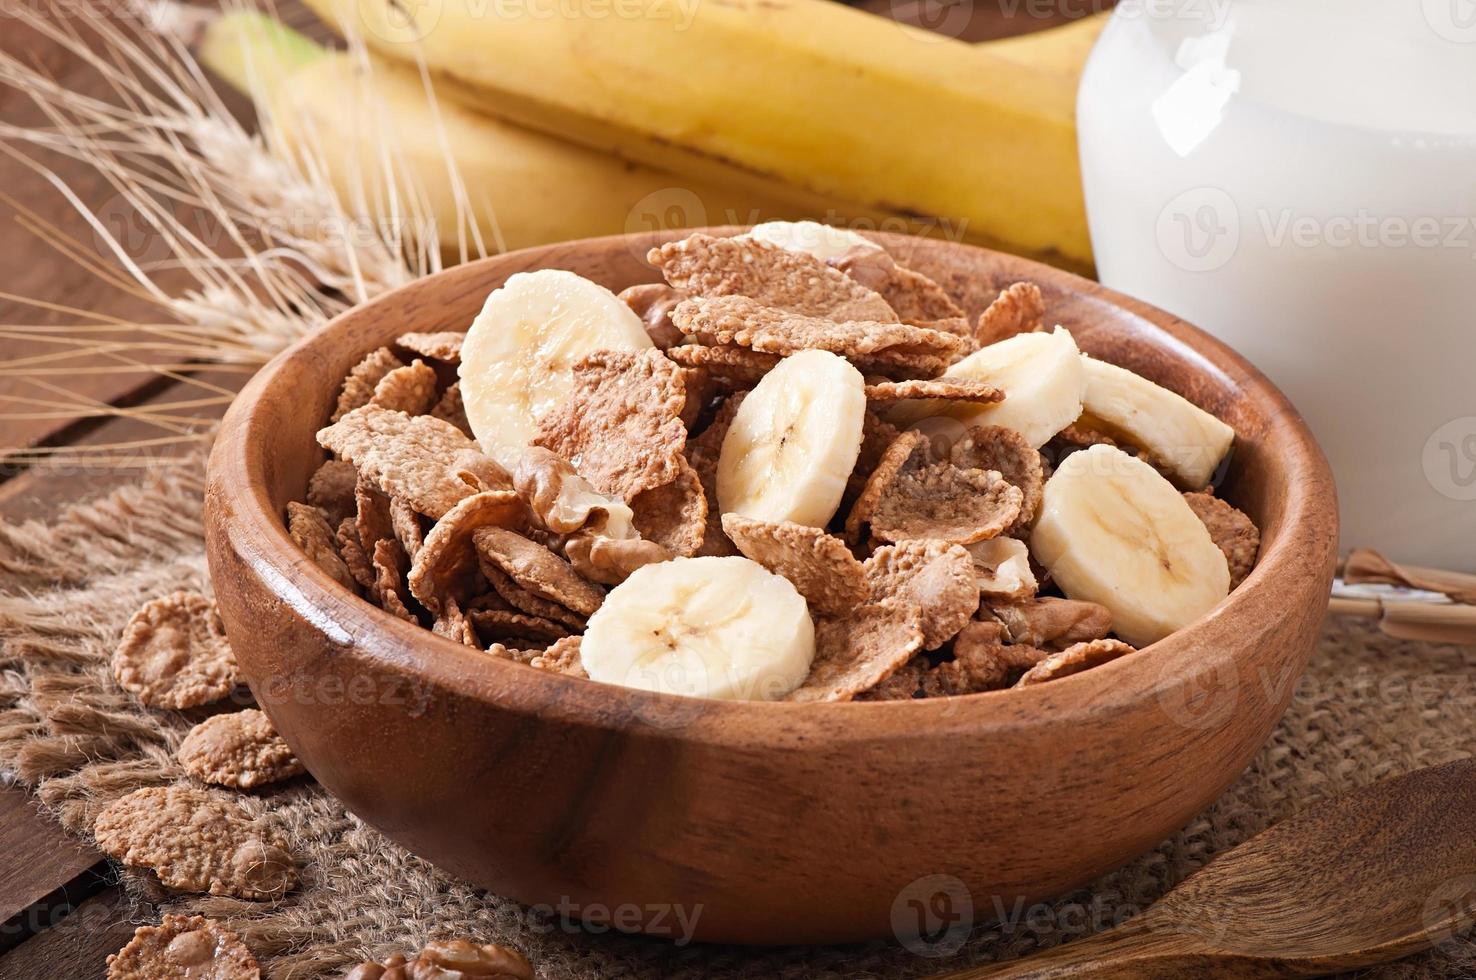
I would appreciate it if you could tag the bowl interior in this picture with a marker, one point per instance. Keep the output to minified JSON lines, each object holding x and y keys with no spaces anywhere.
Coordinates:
{"x":1276,"y":473}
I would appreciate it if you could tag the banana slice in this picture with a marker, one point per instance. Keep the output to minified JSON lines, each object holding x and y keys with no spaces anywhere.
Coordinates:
{"x":1114,"y":531}
{"x":794,"y":441}
{"x":705,"y":627}
{"x":1178,"y":434}
{"x":1041,"y":375}
{"x":517,"y":358}
{"x":822,"y":241}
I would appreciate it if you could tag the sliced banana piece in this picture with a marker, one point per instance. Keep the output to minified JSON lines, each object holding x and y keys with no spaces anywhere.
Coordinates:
{"x":518,"y":356}
{"x":1177,"y":433}
{"x":1041,"y":375}
{"x":794,"y":441}
{"x":1114,"y":531}
{"x":822,"y":241}
{"x":705,"y":627}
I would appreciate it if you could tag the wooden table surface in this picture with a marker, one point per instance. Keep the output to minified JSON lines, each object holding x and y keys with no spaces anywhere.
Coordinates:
{"x":61,"y":907}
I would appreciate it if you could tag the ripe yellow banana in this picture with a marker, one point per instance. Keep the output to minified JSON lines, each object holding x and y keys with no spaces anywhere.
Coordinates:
{"x":523,"y":187}
{"x":862,"y":113}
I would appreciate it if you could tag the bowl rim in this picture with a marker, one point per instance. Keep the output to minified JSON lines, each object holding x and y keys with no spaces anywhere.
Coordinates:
{"x":1300,"y":555}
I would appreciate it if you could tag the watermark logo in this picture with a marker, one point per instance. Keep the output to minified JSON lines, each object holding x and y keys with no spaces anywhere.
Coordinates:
{"x":400,"y":21}
{"x":1201,"y":697}
{"x":942,"y":19}
{"x":933,"y":915}
{"x":1451,"y":908}
{"x":1199,"y":229}
{"x":1449,"y":458}
{"x":1453,"y":20}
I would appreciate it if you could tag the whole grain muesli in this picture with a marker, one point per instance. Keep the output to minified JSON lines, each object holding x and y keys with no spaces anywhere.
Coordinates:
{"x":934,"y":567}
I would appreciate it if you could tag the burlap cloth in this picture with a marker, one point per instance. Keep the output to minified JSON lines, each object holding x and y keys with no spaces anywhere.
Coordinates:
{"x":1369,"y":707}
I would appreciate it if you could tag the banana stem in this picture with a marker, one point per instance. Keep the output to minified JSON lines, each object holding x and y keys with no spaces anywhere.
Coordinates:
{"x":253,"y":52}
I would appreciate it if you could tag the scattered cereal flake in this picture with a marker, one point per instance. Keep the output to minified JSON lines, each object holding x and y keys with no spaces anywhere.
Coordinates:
{"x":196,"y":840}
{"x":1074,"y":660}
{"x":423,"y":459}
{"x":653,"y":303}
{"x":773,"y":276}
{"x":405,"y":523}
{"x":562,"y":658}
{"x":538,"y":570}
{"x":564,"y":502}
{"x":443,"y":345}
{"x":621,"y":424}
{"x":956,"y":389}
{"x":331,"y":489}
{"x":389,"y":580}
{"x":1019,"y":308}
{"x":359,"y":564}
{"x":446,"y":565}
{"x":529,"y":602}
{"x":933,"y":576}
{"x":498,"y":626}
{"x":1232,"y":532}
{"x":819,"y":566}
{"x":928,"y":499}
{"x":1052,"y":623}
{"x":174,"y":653}
{"x":184,"y":948}
{"x":883,"y":474}
{"x":611,"y":561}
{"x":410,"y":389}
{"x":309,"y":528}
{"x":456,"y":625}
{"x":452,"y":409}
{"x":240,"y":750}
{"x":449,"y":960}
{"x":725,"y":320}
{"x":994,"y":447}
{"x":359,"y":386}
{"x":674,"y":515}
{"x":737,"y":367}
{"x":854,"y":653}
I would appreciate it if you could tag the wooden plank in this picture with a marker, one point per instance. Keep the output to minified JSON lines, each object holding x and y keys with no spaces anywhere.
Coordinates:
{"x":77,"y":945}
{"x":40,"y":859}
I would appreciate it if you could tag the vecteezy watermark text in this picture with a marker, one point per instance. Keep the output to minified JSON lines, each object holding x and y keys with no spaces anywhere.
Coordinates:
{"x":668,"y":920}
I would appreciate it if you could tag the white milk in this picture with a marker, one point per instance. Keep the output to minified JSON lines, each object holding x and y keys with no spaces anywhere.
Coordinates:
{"x":1298,"y":177}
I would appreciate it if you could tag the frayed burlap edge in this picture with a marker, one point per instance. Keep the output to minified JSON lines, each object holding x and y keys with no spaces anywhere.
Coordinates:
{"x":1370,"y":707}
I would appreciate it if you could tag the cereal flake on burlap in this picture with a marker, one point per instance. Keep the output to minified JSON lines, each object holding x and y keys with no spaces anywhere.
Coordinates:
{"x":197,"y":840}
{"x":174,"y":653}
{"x":184,"y":948}
{"x":240,"y":750}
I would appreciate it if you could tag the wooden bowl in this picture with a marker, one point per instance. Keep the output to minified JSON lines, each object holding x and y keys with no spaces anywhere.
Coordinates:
{"x":767,"y":822}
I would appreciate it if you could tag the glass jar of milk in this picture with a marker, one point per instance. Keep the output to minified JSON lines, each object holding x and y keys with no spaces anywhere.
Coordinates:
{"x":1298,"y":177}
